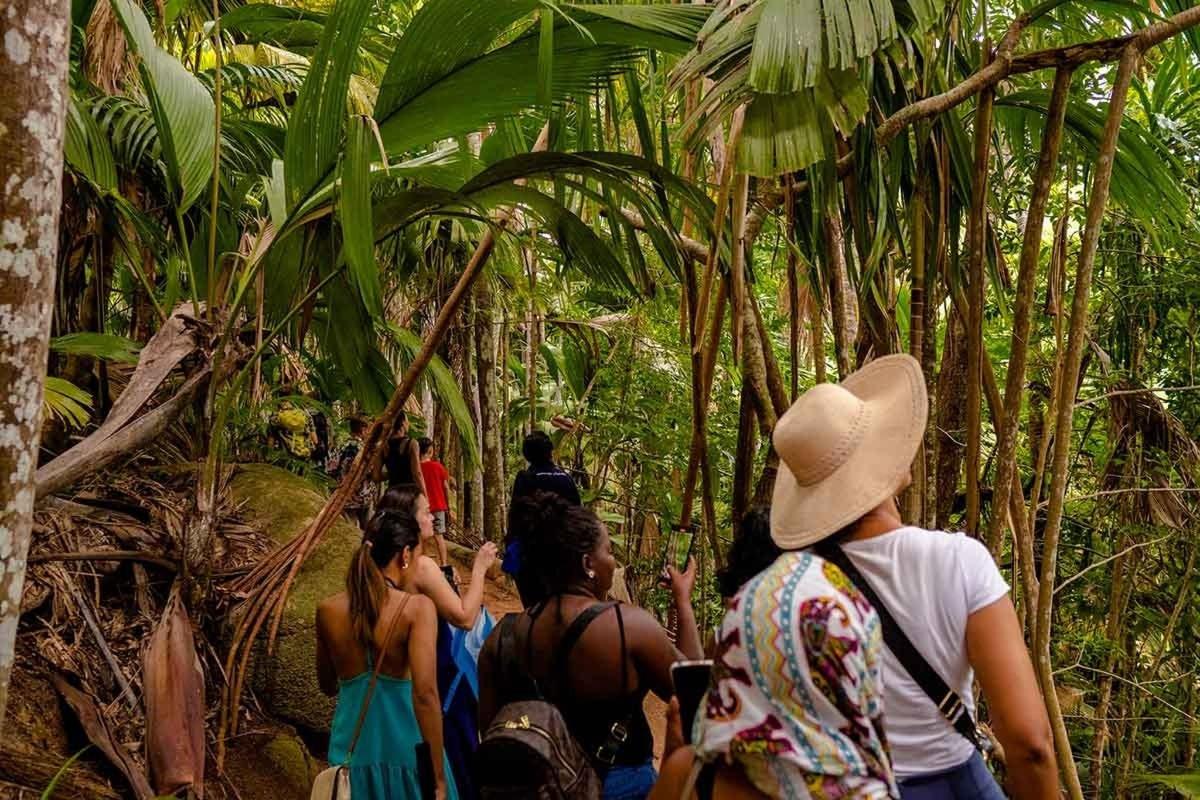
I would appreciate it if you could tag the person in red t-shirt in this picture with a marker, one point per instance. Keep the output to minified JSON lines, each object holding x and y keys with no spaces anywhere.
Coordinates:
{"x":436,"y":483}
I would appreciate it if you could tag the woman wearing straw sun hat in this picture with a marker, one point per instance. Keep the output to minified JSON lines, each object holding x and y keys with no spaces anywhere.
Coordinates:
{"x":945,"y":613}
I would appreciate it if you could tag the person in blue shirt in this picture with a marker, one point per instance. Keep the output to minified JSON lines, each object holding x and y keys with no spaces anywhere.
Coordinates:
{"x":542,"y":475}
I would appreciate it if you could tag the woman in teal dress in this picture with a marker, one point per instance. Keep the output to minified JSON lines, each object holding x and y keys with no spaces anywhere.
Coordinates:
{"x":374,"y":619}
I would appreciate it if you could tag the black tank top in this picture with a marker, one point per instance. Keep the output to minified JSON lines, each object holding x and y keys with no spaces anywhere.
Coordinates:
{"x":399,"y":462}
{"x":591,"y":721}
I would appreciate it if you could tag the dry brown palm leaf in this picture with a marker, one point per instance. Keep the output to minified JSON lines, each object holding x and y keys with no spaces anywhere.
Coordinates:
{"x":120,"y":433}
{"x":106,"y":55}
{"x":174,"y":695}
{"x":100,"y":734}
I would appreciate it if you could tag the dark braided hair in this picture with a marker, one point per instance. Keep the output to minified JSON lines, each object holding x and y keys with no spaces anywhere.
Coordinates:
{"x":554,"y":536}
{"x":388,"y":534}
{"x":753,"y":551}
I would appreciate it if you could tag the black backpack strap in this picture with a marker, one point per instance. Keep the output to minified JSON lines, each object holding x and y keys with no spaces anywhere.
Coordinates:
{"x":948,"y":703}
{"x":575,"y":631}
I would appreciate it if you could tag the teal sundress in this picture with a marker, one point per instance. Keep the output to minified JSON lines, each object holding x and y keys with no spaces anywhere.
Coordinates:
{"x":384,"y":763}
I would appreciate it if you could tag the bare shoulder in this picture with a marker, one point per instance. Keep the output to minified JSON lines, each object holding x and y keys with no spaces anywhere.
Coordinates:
{"x":639,"y":621}
{"x":332,"y":606}
{"x":420,"y":608}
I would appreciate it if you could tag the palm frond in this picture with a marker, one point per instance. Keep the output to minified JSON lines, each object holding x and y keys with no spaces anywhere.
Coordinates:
{"x":183,"y":109}
{"x":66,"y":402}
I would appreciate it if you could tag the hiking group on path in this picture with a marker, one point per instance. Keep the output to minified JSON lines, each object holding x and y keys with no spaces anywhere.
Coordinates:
{"x":845,"y":665}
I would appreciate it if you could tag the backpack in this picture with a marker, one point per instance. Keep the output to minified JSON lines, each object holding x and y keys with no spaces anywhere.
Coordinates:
{"x":528,"y":751}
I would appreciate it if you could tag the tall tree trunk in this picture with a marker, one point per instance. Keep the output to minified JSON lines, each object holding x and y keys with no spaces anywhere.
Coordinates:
{"x":743,"y":459}
{"x":914,"y":496}
{"x":929,"y":348}
{"x":33,"y":70}
{"x":533,"y":343}
{"x":489,"y":406}
{"x":473,"y":513}
{"x":951,"y":416}
{"x":976,"y":238}
{"x":1068,"y":380}
{"x":793,"y":287}
{"x":1124,"y":572}
{"x":841,"y":293}
{"x":1031,"y":248}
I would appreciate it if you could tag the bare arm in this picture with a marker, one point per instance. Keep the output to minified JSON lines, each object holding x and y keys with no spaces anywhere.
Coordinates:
{"x":688,"y":637}
{"x":997,"y":652}
{"x":461,"y":612}
{"x":653,"y":653}
{"x":422,"y":658}
{"x":326,"y":671}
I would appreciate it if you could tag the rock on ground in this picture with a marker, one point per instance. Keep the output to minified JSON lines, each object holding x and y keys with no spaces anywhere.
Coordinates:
{"x":281,"y":504}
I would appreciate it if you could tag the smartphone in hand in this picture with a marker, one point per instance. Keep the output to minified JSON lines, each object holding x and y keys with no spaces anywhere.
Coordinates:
{"x":679,"y":548}
{"x":691,"y":686}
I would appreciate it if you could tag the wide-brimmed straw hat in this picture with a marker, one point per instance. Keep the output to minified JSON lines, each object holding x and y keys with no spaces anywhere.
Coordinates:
{"x":845,"y":448}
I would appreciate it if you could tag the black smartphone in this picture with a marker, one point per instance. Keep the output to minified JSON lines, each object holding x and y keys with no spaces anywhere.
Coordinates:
{"x":679,"y":548}
{"x":691,"y":686}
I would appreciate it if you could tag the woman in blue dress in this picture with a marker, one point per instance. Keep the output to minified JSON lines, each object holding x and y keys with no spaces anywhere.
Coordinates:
{"x":374,"y":619}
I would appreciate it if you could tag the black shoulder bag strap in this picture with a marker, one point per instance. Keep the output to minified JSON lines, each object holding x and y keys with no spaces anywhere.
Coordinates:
{"x":948,"y":703}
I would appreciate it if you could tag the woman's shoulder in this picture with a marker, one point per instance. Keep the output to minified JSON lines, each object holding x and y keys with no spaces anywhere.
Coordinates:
{"x":334,"y":604}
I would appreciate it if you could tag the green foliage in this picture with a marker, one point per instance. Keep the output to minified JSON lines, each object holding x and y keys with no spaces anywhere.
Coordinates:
{"x":183,"y":109}
{"x":66,"y":402}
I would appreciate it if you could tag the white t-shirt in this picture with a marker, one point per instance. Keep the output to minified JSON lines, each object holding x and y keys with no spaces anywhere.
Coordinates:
{"x":931,"y":582}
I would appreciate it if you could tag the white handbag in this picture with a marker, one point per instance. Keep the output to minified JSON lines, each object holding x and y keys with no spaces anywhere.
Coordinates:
{"x":334,"y":783}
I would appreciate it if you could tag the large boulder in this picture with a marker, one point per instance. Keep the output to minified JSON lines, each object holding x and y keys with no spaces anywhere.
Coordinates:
{"x":281,"y":505}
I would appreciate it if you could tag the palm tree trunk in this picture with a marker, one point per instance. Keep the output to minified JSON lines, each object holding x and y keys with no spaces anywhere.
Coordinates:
{"x":914,"y":496}
{"x":793,"y":288}
{"x":472,"y":513}
{"x":743,"y":459}
{"x":1031,"y":248}
{"x":951,"y":416}
{"x":1182,"y":601}
{"x":841,"y":293}
{"x":1124,"y":571}
{"x":33,"y":70}
{"x":1068,"y":380}
{"x":976,"y":239}
{"x":489,"y":406}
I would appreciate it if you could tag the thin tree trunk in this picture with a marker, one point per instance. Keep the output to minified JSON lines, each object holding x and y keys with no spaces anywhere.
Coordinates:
{"x":737,"y":267}
{"x":774,"y":376}
{"x":951,"y":415}
{"x":489,"y":406}
{"x":33,"y":70}
{"x":743,"y":459}
{"x":841,"y":293}
{"x":914,"y":496}
{"x":473,"y":511}
{"x":1121,"y":584}
{"x":1068,"y":379}
{"x":793,"y":287}
{"x":1031,"y":248}
{"x":1182,"y":602}
{"x":817,"y":335}
{"x":976,"y":239}
{"x":532,"y":342}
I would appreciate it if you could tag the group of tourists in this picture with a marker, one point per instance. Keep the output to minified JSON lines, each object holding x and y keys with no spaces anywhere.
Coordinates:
{"x":845,"y":666}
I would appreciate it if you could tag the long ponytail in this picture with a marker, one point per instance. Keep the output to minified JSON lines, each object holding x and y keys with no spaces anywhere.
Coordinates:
{"x":389,"y":533}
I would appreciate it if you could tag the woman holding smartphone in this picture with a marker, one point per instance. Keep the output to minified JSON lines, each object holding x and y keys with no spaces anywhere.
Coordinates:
{"x":614,"y":654}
